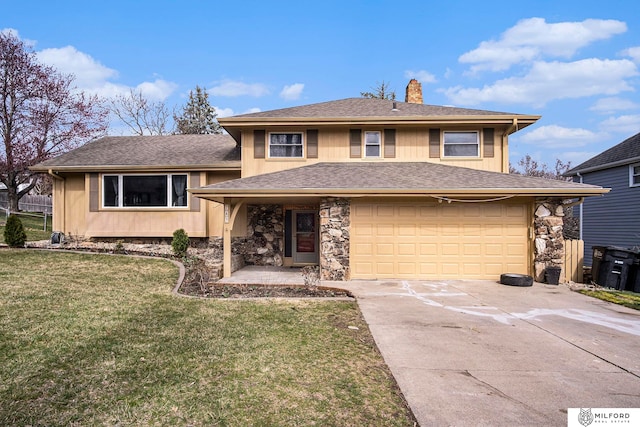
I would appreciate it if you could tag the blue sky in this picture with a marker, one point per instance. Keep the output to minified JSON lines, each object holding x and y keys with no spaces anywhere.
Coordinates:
{"x":575,"y":63}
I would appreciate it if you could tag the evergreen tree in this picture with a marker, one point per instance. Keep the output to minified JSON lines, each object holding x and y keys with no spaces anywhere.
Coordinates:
{"x":198,"y":116}
{"x":14,"y":234}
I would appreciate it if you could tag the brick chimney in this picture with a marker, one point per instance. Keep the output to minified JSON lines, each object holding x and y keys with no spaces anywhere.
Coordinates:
{"x":414,"y":92}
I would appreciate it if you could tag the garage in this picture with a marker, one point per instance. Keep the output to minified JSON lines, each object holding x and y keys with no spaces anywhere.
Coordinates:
{"x":439,"y":240}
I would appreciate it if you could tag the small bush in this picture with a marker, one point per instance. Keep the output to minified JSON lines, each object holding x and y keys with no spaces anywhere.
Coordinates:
{"x":180,"y":243}
{"x":14,"y":234}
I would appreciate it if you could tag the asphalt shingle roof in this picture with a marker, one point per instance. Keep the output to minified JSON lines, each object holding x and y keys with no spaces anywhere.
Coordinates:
{"x":149,"y":151}
{"x":366,"y":107}
{"x":628,"y":149}
{"x":390,"y":176}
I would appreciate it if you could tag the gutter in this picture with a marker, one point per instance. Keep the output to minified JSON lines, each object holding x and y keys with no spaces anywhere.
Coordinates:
{"x":604,"y":166}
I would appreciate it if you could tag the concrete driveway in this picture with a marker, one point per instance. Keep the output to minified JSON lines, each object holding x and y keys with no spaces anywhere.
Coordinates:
{"x":471,"y":353}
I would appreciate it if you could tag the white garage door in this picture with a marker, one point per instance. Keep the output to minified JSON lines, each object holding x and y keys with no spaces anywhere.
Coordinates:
{"x":438,"y":240}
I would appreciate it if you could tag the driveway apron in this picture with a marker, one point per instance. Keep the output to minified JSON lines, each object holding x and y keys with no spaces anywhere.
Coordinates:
{"x":481,"y":353}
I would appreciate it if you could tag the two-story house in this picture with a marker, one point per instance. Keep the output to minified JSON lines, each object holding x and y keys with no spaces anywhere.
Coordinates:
{"x":365,"y":188}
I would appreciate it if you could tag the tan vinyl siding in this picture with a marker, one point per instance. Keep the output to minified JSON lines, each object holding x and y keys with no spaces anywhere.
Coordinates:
{"x":334,"y":145}
{"x":215,"y":217}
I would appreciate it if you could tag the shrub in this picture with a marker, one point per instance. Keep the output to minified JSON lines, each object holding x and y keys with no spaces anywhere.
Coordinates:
{"x":14,"y":234}
{"x":180,"y":243}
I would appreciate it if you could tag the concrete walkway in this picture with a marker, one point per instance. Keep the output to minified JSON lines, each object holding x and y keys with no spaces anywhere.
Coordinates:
{"x":471,"y":353}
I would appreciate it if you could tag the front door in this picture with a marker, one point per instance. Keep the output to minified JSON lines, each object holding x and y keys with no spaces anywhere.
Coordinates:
{"x":305,"y":237}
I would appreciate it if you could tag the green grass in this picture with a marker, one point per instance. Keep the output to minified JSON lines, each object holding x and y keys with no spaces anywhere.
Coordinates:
{"x":100,"y":340}
{"x":628,"y":299}
{"x":33,"y":224}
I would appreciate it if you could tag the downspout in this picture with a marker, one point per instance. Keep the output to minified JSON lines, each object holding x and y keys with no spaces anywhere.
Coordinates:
{"x":505,"y":150}
{"x":62,"y":215}
{"x":580,"y":217}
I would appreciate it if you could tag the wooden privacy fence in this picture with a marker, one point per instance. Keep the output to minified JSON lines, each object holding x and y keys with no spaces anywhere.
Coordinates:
{"x":573,"y":261}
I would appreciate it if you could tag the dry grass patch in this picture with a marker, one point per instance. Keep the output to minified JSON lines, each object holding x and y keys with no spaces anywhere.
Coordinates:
{"x":95,"y":339}
{"x":625,"y":298}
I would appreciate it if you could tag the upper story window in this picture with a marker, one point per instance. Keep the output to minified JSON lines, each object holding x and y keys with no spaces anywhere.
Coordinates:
{"x":634,"y":175}
{"x":285,"y":145}
{"x":461,"y":144}
{"x":372,"y":144}
{"x":144,"y":191}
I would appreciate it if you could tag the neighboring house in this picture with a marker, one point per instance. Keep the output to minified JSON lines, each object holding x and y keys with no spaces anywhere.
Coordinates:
{"x":365,"y":188}
{"x":612,"y":220}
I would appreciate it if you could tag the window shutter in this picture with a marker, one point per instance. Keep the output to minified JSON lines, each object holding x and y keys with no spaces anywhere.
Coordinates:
{"x":258,"y":144}
{"x":488,"y":137}
{"x":389,"y":143}
{"x":434,"y":142}
{"x":194,"y":179}
{"x":355,"y":142}
{"x":94,"y":193}
{"x":312,"y":143}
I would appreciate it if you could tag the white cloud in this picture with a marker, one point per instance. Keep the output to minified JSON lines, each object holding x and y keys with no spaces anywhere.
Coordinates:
{"x":237,"y":88}
{"x":88,"y":72}
{"x":547,"y":81}
{"x":228,"y":112}
{"x":633,"y":53}
{"x":93,"y":77}
{"x":629,"y":124}
{"x":554,"y":136}
{"x":421,"y":75}
{"x":292,"y":92}
{"x":612,"y":104}
{"x":577,"y":157}
{"x":224,"y":112}
{"x":533,"y":38}
{"x":158,"y":90}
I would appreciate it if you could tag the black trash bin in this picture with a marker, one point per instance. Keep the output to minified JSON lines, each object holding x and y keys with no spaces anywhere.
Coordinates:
{"x":611,"y":266}
{"x":633,"y":282}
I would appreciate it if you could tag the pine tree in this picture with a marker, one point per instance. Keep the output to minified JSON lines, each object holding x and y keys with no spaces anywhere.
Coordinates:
{"x":198,"y":116}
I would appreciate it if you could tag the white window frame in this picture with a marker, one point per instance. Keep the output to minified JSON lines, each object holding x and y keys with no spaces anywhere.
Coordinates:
{"x":365,"y":144}
{"x":633,"y":175}
{"x":302,"y":151}
{"x":120,"y":204}
{"x":445,"y":144}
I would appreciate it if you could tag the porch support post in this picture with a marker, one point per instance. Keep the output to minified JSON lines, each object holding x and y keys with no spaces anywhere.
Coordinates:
{"x":230,"y":213}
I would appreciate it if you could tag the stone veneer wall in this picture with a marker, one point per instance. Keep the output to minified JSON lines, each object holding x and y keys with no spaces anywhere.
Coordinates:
{"x":264,"y":244}
{"x":549,"y":240}
{"x":335,"y":220}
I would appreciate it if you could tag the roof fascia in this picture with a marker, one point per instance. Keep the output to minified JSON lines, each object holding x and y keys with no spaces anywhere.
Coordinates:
{"x":522,"y":120}
{"x":235,"y":166}
{"x":490,"y":192}
{"x":604,"y":166}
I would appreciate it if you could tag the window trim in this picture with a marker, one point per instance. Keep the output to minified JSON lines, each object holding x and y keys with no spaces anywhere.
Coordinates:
{"x":302,"y":144}
{"x":365,"y":145}
{"x":169,"y":181}
{"x":632,"y":175}
{"x":444,"y":144}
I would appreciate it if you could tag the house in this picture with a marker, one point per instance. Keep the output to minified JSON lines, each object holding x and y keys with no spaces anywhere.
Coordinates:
{"x":611,"y":220}
{"x":365,"y":188}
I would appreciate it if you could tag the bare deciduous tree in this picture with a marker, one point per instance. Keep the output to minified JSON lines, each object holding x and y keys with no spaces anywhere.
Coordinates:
{"x":42,"y":115}
{"x":142,"y":116}
{"x":381,"y":91}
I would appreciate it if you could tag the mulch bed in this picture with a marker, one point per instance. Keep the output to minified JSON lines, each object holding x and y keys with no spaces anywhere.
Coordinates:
{"x":238,"y":291}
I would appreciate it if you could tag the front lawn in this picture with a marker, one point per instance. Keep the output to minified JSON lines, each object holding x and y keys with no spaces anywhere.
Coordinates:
{"x":100,"y":340}
{"x":33,"y":224}
{"x":628,"y":299}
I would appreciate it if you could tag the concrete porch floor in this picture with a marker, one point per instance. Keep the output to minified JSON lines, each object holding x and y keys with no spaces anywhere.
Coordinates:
{"x":266,"y":275}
